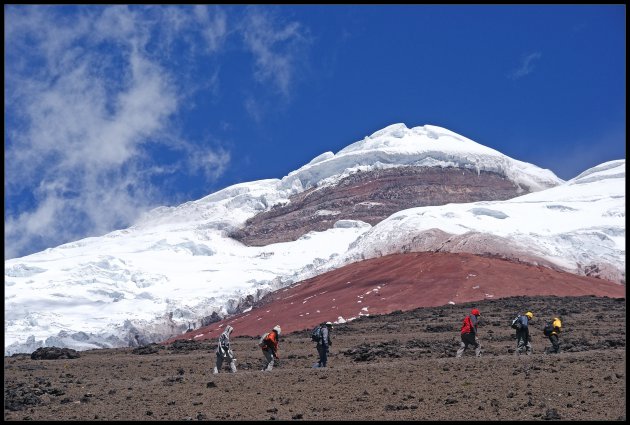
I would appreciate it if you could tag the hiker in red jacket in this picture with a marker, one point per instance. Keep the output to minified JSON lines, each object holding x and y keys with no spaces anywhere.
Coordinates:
{"x":469,"y":333}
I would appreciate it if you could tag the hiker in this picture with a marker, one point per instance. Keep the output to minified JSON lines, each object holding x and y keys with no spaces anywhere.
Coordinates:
{"x":270,"y":348}
{"x":523,"y":338}
{"x":224,"y":352}
{"x":556,"y":326}
{"x":323,"y":343}
{"x":469,"y":334}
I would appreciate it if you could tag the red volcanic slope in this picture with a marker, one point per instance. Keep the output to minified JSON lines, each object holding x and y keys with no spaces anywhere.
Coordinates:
{"x":402,"y":282}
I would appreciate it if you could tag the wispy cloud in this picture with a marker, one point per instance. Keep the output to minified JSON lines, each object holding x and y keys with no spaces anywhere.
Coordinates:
{"x":214,"y":27}
{"x":253,"y":108}
{"x":277,"y":47}
{"x":92,"y":93}
{"x":88,"y":96}
{"x":526,"y":66}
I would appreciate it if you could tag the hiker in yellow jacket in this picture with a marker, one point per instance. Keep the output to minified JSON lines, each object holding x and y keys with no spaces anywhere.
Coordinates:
{"x":553,"y":335}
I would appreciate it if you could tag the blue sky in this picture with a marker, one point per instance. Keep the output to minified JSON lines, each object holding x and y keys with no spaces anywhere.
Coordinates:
{"x":113,"y":110}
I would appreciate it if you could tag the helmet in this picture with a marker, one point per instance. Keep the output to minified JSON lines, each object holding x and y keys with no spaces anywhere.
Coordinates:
{"x":228,"y":330}
{"x":329,"y":324}
{"x":277,"y":329}
{"x":530,"y":315}
{"x":475,"y":312}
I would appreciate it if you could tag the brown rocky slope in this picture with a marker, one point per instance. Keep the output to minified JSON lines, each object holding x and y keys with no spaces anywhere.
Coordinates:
{"x":371,"y":197}
{"x":402,"y":282}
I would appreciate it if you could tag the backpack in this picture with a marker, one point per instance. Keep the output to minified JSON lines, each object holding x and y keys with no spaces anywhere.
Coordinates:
{"x":516,"y":323}
{"x":316,"y":333}
{"x":548,"y":328}
{"x":223,"y":342}
{"x":262,"y":343}
{"x":467,"y":326}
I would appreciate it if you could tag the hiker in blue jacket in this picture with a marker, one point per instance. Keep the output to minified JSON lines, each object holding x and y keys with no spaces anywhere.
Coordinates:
{"x":324,"y":343}
{"x":523,"y":338}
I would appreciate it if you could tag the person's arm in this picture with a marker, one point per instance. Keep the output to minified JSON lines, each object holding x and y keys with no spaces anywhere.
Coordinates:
{"x":275,"y":348}
{"x":529,"y":335}
{"x":220,"y":347}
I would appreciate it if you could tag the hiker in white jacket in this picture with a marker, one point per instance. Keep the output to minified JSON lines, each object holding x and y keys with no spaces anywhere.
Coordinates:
{"x":224,"y":352}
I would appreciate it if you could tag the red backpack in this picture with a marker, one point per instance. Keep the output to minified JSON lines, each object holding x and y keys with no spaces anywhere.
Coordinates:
{"x":467,"y":327}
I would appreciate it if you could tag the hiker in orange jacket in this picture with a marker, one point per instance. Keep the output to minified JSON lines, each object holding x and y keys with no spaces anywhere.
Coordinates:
{"x":270,"y":348}
{"x":469,"y":333}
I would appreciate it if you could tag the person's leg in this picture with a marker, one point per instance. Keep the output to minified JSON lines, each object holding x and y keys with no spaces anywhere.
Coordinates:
{"x":324,"y":356}
{"x":477,"y":348}
{"x":462,"y":348}
{"x":269,"y":358}
{"x":521,"y":342}
{"x":217,"y":368}
{"x":232,"y":362}
{"x":266,"y":359}
{"x":467,"y":339}
{"x":528,"y":347}
{"x":555,"y":343}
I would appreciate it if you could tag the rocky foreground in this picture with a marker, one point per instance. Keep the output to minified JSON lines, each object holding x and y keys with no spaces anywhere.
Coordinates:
{"x":399,"y":366}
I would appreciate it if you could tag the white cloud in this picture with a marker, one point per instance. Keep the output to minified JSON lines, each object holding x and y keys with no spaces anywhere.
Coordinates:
{"x":276,"y":48}
{"x":211,"y":162}
{"x":527,"y":65}
{"x":89,"y":96}
{"x":214,"y":28}
{"x":253,"y":108}
{"x":92,"y":92}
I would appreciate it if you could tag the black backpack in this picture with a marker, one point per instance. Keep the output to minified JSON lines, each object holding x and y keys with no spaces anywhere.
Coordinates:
{"x":516,"y":323}
{"x":548,"y":329}
{"x":316,"y":333}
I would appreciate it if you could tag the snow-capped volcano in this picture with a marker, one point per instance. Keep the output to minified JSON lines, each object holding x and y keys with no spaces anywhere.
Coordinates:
{"x":178,"y":267}
{"x":393,"y":146}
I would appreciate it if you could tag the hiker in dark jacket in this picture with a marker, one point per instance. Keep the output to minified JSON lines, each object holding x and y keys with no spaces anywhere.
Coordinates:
{"x":523,"y":338}
{"x":469,"y":334}
{"x":270,"y":348}
{"x":224,"y":352}
{"x":324,"y":343}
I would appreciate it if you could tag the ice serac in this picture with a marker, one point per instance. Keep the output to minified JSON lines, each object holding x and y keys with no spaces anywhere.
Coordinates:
{"x":398,"y":190}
